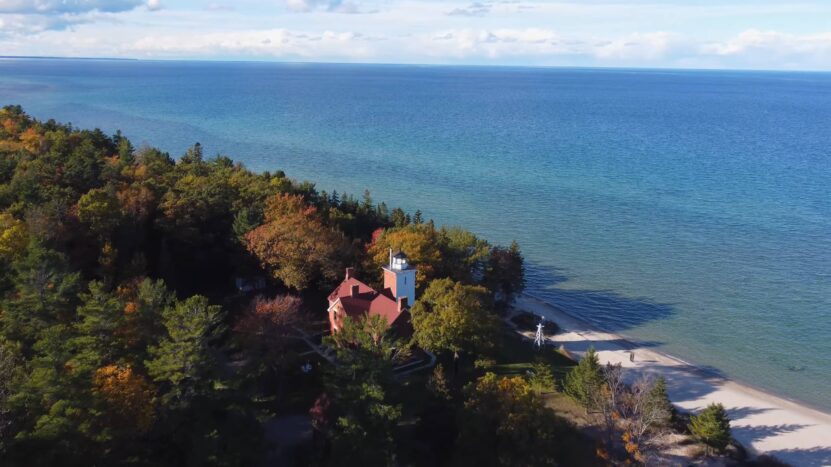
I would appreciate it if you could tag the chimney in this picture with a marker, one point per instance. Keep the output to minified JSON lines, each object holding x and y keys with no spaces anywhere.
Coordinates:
{"x":402,"y":303}
{"x":350,"y":272}
{"x":354,"y":291}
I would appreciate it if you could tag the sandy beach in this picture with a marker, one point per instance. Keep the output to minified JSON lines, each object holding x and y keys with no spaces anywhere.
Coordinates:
{"x":762,"y":422}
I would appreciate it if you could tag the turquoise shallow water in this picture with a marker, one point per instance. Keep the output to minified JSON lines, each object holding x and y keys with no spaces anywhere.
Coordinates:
{"x":687,"y":209}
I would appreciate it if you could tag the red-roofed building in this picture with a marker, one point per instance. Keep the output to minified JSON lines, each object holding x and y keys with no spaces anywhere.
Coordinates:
{"x":355,"y":299}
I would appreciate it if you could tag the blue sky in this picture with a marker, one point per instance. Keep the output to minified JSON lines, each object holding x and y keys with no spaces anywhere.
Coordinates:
{"x":647,"y":33}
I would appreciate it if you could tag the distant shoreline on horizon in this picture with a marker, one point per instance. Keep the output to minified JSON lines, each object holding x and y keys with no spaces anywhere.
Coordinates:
{"x":415,"y":64}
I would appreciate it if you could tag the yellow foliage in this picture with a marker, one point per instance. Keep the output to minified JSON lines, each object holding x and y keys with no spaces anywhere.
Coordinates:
{"x":11,"y":146}
{"x":419,"y":242}
{"x":13,"y":237}
{"x":31,"y":140}
{"x":10,"y":126}
{"x":129,"y":395}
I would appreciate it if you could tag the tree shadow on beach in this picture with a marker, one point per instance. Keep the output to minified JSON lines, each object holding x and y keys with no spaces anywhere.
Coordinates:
{"x":580,"y":347}
{"x":604,"y":308}
{"x":753,"y":434}
{"x":814,"y":457}
{"x":686,"y":383}
{"x":739,"y":413}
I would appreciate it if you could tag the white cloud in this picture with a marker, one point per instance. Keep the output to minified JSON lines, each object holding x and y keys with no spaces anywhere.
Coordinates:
{"x":275,"y":43}
{"x":533,"y":32}
{"x":754,"y":48}
{"x":66,"y":6}
{"x":643,"y":46}
{"x":333,"y":6}
{"x":544,"y":44}
{"x":474,"y":9}
{"x":755,"y":41}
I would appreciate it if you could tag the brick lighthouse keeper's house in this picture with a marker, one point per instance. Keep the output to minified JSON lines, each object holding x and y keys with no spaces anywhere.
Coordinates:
{"x":355,"y":299}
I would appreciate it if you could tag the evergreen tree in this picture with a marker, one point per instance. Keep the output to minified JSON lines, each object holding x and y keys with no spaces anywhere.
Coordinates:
{"x":541,"y":378}
{"x":585,"y":380}
{"x":46,"y":295}
{"x":367,"y":205}
{"x":360,"y":419}
{"x":712,"y":427}
{"x":659,"y":398}
{"x":184,"y":361}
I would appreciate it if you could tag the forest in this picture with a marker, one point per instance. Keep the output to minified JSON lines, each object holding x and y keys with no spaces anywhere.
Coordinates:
{"x":125,"y":339}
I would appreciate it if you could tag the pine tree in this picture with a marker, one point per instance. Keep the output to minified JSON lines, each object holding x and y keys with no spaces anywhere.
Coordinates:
{"x":584,"y":380}
{"x":184,"y":359}
{"x":712,"y":427}
{"x":660,"y":399}
{"x":541,"y":378}
{"x":366,"y":206}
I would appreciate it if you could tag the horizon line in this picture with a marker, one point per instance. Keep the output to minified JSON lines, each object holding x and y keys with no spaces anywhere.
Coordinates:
{"x":403,"y":64}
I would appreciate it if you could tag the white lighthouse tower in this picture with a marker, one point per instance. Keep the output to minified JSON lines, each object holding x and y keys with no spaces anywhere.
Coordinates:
{"x":400,"y":277}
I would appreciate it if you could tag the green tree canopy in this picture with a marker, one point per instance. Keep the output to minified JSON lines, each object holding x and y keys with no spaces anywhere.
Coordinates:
{"x":585,"y":380}
{"x":184,"y":361}
{"x":712,"y":427}
{"x":453,"y":317}
{"x":100,"y":210}
{"x":360,"y":417}
{"x":505,"y":273}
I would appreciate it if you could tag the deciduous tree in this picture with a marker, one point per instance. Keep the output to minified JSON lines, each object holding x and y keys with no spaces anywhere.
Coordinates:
{"x":269,"y":326}
{"x":294,"y":244}
{"x":128,"y":397}
{"x":421,"y":243}
{"x":505,"y":273}
{"x":453,"y":317}
{"x":505,"y":423}
{"x":100,"y":210}
{"x":13,"y":237}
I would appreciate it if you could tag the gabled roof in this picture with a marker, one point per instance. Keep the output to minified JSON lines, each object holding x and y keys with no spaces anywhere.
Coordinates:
{"x":345,"y":289}
{"x":366,"y":302}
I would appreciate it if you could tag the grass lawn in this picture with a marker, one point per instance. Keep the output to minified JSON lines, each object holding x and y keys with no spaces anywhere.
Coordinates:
{"x":517,"y":356}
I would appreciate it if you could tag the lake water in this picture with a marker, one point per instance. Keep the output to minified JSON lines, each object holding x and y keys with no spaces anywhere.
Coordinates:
{"x":687,"y":209}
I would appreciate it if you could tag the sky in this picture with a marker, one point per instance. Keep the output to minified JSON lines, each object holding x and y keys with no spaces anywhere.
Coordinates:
{"x":731,"y":34}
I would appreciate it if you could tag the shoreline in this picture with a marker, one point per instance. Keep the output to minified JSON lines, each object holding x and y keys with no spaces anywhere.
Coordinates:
{"x":764,"y":423}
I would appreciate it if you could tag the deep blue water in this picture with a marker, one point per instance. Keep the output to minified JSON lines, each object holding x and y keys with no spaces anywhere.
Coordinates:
{"x":689,"y":209}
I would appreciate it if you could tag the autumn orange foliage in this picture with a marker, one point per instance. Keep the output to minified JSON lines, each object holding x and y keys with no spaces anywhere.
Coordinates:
{"x":129,"y":395}
{"x":294,"y":244}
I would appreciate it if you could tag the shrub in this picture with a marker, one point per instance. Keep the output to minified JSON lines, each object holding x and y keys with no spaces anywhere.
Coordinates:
{"x":541,"y":378}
